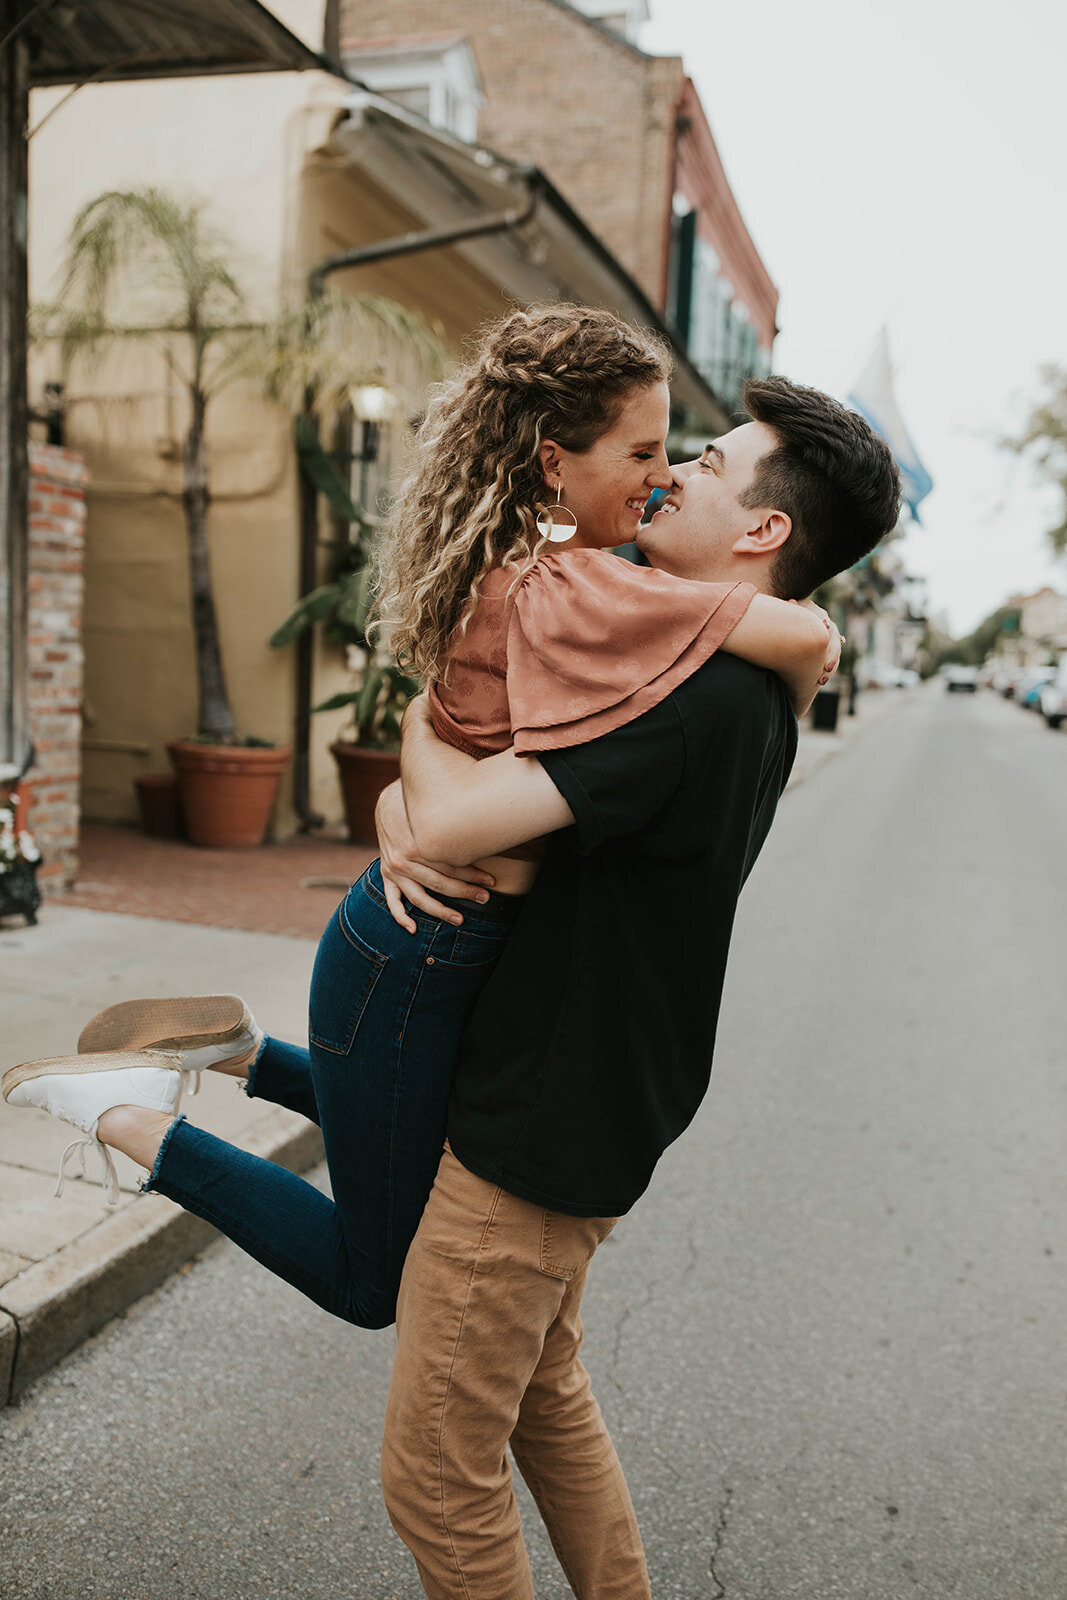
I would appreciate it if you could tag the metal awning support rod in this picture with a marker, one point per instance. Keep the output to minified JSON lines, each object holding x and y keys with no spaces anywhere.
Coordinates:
{"x":408,"y":244}
{"x":405,"y":244}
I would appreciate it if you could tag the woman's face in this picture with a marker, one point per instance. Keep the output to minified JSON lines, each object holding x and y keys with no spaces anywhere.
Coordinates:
{"x":607,"y":485}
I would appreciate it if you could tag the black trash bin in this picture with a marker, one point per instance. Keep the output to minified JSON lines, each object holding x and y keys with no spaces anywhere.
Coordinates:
{"x":825,"y":709}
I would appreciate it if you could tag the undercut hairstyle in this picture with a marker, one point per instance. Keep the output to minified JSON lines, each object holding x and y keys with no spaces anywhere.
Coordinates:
{"x":476,"y":483}
{"x":831,"y":474}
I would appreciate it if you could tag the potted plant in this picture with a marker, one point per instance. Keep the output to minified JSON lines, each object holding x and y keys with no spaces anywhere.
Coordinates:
{"x":367,"y":756}
{"x":157,"y":257}
{"x":227,"y":788}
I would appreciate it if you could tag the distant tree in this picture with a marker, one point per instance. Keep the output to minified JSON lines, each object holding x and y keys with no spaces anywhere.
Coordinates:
{"x":935,"y":649}
{"x":146,"y":265}
{"x":1044,"y":441}
{"x":974,"y":648}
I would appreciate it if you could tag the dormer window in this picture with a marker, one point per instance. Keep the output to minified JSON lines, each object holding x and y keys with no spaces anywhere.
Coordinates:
{"x":623,"y":17}
{"x":434,"y":77}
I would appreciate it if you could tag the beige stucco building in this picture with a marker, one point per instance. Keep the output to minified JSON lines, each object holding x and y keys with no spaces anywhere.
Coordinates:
{"x":294,"y":168}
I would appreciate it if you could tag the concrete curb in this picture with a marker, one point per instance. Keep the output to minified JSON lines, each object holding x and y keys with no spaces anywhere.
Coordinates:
{"x":51,"y":1307}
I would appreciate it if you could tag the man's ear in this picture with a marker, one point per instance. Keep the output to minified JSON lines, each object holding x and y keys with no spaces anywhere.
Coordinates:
{"x":766,"y":536}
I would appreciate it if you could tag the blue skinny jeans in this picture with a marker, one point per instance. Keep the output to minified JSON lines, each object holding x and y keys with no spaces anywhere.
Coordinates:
{"x":386,"y":1015}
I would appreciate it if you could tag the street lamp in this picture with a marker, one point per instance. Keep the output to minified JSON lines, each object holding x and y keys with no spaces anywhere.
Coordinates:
{"x":371,"y":406}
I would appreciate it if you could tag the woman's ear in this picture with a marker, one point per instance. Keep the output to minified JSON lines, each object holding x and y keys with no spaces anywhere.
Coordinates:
{"x":550,"y":461}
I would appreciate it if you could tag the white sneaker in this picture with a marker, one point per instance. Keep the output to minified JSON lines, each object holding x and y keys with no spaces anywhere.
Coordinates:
{"x":205,"y":1030}
{"x":79,"y":1089}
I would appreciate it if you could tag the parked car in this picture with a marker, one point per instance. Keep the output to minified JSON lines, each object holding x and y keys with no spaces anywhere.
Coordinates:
{"x":1004,"y":680}
{"x":1030,"y":684}
{"x":960,"y":679}
{"x":1053,"y":701}
{"x":873,"y":674}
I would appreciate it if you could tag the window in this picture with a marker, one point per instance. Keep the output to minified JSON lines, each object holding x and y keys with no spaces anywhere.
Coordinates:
{"x":719,"y":334}
{"x":434,"y":79}
{"x":417,"y":99}
{"x":623,"y":17}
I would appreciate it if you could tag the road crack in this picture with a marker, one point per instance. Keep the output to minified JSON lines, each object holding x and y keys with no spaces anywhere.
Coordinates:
{"x":717,"y":1543}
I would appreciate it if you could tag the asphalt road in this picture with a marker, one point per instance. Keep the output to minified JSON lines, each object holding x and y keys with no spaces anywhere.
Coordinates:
{"x":830,"y":1341}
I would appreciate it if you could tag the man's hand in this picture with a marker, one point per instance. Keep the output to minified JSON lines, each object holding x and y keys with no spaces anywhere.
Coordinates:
{"x":406,"y":876}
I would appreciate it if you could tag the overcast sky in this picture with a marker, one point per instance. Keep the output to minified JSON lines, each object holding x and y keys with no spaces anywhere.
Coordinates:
{"x":905,"y":164}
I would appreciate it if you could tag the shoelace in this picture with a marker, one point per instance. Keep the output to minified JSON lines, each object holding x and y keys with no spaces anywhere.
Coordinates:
{"x":110,"y":1180}
{"x":190,"y":1081}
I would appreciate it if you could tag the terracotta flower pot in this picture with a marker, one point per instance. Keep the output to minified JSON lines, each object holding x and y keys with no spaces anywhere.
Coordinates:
{"x":160,"y":802}
{"x":227,"y":791}
{"x":364,"y":773}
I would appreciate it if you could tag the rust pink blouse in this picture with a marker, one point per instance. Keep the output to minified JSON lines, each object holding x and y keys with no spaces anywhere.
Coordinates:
{"x":581,"y":644}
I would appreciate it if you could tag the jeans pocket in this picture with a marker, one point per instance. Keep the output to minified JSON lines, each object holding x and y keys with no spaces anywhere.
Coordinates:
{"x":346,"y":971}
{"x":568,"y":1244}
{"x":465,"y":947}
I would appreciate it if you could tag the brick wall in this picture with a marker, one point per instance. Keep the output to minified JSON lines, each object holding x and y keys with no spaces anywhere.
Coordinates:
{"x":54,"y":658}
{"x":597,"y":116}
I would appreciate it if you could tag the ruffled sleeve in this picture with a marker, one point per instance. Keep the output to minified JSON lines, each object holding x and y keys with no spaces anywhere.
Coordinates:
{"x":594,"y":642}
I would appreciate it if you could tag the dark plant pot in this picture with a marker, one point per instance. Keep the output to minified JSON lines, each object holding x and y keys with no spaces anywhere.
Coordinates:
{"x":364,"y":773}
{"x":160,"y":802}
{"x":19,"y":894}
{"x":227,"y":791}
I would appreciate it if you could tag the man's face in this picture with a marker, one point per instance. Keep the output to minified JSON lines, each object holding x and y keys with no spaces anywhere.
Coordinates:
{"x":695,"y":536}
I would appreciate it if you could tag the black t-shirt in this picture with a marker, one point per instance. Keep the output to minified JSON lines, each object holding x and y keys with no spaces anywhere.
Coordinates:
{"x":590,"y":1047}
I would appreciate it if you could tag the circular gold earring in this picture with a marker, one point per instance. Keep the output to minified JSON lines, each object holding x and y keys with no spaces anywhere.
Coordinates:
{"x":550,"y":528}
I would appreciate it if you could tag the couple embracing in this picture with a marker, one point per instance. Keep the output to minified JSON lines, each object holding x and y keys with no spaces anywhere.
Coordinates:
{"x":513,"y":1012}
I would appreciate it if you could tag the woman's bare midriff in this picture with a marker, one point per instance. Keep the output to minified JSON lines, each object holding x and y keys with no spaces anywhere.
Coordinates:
{"x":513,"y":876}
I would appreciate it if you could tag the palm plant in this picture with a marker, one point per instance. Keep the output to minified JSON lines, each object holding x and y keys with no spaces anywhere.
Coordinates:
{"x":161,"y":258}
{"x":342,"y":608}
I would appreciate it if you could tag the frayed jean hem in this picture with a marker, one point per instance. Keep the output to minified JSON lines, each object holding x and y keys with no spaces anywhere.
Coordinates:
{"x":250,"y":1081}
{"x":160,"y":1153}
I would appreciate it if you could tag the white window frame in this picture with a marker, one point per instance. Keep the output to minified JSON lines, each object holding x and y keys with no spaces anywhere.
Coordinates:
{"x":448,"y":70}
{"x":622,"y":16}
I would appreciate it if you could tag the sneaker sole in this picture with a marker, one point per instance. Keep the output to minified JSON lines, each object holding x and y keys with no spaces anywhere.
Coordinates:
{"x":112,"y":1061}
{"x":176,"y":1024}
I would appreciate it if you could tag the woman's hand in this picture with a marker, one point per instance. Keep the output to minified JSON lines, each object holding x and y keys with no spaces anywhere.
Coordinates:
{"x":834,"y":639}
{"x":802,"y":650}
{"x":407,"y":876}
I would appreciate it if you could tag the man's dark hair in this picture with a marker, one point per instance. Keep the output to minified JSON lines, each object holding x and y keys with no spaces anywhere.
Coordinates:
{"x":832,"y":475}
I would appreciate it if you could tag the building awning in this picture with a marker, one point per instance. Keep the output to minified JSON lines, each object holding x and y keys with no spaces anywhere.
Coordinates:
{"x":113,"y":40}
{"x":552,"y":255}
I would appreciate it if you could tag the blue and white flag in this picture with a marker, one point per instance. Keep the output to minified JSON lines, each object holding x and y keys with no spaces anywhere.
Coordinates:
{"x":873,"y":396}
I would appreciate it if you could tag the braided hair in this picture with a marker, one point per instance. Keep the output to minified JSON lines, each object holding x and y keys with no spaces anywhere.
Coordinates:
{"x":471,"y":498}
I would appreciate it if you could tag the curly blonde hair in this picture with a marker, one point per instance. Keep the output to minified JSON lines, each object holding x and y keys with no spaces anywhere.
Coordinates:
{"x":471,"y":498}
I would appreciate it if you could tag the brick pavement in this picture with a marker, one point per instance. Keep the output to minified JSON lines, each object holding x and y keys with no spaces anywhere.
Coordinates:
{"x":265,"y":890}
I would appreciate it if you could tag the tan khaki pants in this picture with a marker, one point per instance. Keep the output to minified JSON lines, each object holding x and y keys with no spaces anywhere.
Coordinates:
{"x":488,"y":1342}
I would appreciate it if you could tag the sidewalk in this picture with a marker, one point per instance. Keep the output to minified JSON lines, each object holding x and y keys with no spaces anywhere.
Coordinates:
{"x":160,"y":917}
{"x":68,"y":1266}
{"x":286,"y":888}
{"x":816,"y":749}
